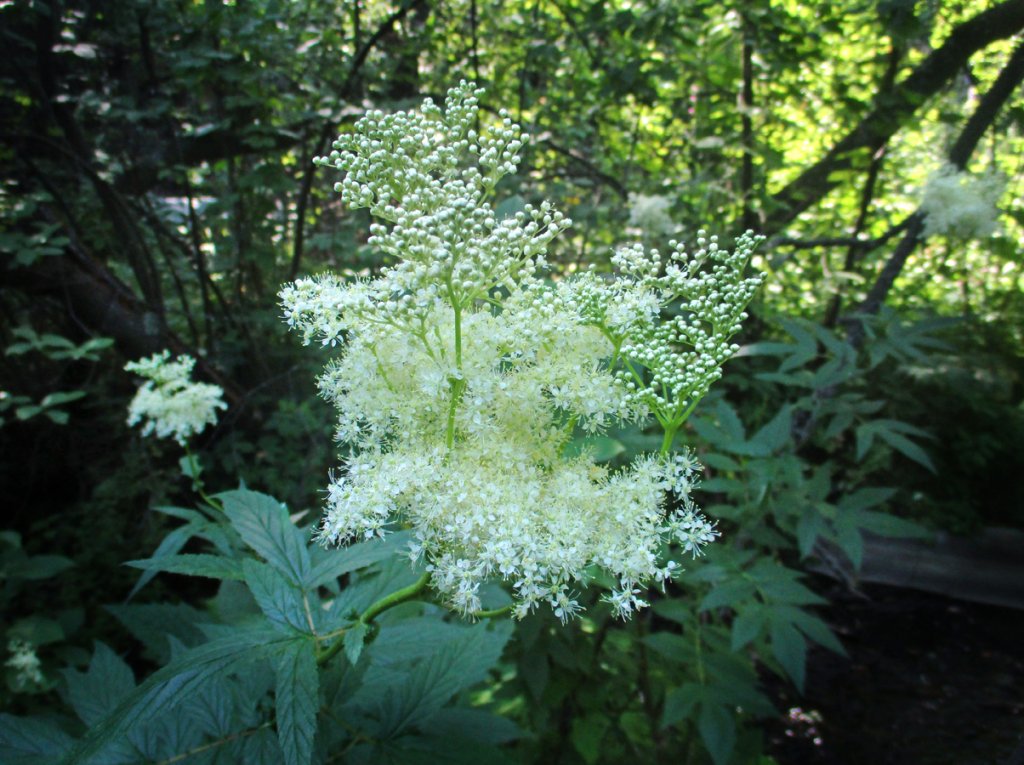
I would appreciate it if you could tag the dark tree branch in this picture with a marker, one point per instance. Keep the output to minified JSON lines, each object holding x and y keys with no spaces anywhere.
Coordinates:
{"x":79,"y":150}
{"x":863,"y":245}
{"x":892,"y":110}
{"x":591,"y":169}
{"x":382,"y":31}
{"x":305,"y":189}
{"x":853,"y":252}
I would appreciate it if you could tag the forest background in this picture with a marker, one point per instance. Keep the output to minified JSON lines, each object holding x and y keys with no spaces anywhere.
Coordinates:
{"x":158,"y":188}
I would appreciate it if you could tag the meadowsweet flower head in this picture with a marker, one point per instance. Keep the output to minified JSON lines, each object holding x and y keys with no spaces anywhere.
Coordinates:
{"x":649,"y":214}
{"x":959,"y":204}
{"x":169,"y":404}
{"x":463,"y":377}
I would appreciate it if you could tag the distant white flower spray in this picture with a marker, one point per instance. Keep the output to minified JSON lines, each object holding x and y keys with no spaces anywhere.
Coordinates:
{"x":464,"y":376}
{"x":650,"y":214}
{"x":28,"y":669}
{"x":959,"y":204}
{"x":169,"y":404}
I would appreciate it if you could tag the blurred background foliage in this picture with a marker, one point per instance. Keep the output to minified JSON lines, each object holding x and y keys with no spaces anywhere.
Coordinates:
{"x":158,"y":188}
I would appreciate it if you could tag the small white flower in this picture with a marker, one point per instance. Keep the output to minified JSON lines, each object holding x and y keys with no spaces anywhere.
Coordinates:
{"x":169,"y":404}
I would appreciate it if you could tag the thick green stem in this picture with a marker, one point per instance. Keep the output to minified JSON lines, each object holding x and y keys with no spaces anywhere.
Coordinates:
{"x":366,"y":618}
{"x":458,"y":337}
{"x":457,"y":383}
{"x":670,"y":436}
{"x":395,"y":598}
{"x":197,"y":484}
{"x":492,"y":612}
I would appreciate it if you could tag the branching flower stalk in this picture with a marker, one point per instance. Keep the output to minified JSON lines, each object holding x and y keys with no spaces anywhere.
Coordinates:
{"x":464,"y":374}
{"x":170,"y":405}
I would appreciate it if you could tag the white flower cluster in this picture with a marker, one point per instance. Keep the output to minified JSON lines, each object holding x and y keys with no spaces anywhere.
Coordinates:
{"x":959,"y":204}
{"x":169,"y":403}
{"x":463,"y":376}
{"x":649,"y":214}
{"x":25,"y":664}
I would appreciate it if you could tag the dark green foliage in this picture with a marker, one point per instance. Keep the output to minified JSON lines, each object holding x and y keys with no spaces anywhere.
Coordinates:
{"x":226,"y":684}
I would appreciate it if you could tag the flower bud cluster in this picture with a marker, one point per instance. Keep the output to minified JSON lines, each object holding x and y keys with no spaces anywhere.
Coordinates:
{"x":428,"y":174}
{"x":463,"y":377}
{"x":959,"y":204}
{"x":169,"y":404}
{"x":669,"y":364}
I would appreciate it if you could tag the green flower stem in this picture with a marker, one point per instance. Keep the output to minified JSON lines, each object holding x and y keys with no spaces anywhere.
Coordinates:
{"x":666,"y":442}
{"x":197,"y":484}
{"x":395,"y":598}
{"x":458,"y":384}
{"x":492,"y":612}
{"x":366,"y":618}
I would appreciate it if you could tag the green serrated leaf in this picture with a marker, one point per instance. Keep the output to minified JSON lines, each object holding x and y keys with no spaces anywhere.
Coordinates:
{"x":460,"y":663}
{"x":328,"y":565}
{"x":907,"y":448}
{"x":670,"y":645}
{"x":679,"y":611}
{"x":720,"y":462}
{"x":586,"y":735}
{"x":789,"y":648}
{"x":278,"y":599}
{"x":812,"y":627}
{"x":354,"y":640}
{"x":887,"y":525}
{"x":96,"y":692}
{"x":508,"y":208}
{"x":38,"y":567}
{"x":864,"y":499}
{"x":729,"y":421}
{"x":297,"y":699}
{"x":789,"y":591}
{"x":534,"y":669}
{"x":61,"y":397}
{"x":264,"y":525}
{"x":209,"y":566}
{"x":411,"y":639}
{"x":808,"y":529}
{"x":850,"y":541}
{"x":728,"y":594}
{"x":865,"y":438}
{"x":773,"y":435}
{"x":718,"y":731}
{"x":37,"y":630}
{"x":25,"y":740}
{"x":747,"y":626}
{"x":601,"y":448}
{"x":474,"y":724}
{"x":680,"y":703}
{"x":838,"y":425}
{"x":169,"y":545}
{"x":153,"y":623}
{"x":176,"y":683}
